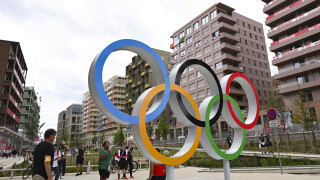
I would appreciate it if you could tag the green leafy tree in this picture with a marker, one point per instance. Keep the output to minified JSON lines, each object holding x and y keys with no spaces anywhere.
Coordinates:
{"x":163,"y":128}
{"x":119,"y":136}
{"x":150,"y":130}
{"x":303,"y":115}
{"x":65,"y":137}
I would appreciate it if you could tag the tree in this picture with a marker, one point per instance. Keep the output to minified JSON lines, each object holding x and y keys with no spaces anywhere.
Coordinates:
{"x":150,"y":130}
{"x":102,"y":137}
{"x":119,"y":136}
{"x":163,"y":128}
{"x":65,"y":137}
{"x":303,"y":115}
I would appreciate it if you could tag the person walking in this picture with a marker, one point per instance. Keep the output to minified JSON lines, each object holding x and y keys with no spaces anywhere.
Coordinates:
{"x":269,"y":144}
{"x":105,"y":155}
{"x":157,"y":171}
{"x":63,"y":161}
{"x":262,"y":144}
{"x":43,"y":157}
{"x":229,"y":141}
{"x":130,"y":150}
{"x":56,"y":159}
{"x":122,"y":156}
{"x":80,"y":158}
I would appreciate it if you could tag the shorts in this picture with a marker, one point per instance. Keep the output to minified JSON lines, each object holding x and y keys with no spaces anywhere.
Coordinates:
{"x":123,"y":164}
{"x":104,"y":173}
{"x":158,"y":178}
{"x":269,"y":144}
{"x":79,"y":160}
{"x":263,"y":144}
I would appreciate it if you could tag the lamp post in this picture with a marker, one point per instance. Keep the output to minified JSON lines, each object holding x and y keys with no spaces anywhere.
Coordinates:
{"x":22,"y":136}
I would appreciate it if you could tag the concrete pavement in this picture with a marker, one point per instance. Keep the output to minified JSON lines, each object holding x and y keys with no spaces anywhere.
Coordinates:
{"x":192,"y":173}
{"x":7,"y":163}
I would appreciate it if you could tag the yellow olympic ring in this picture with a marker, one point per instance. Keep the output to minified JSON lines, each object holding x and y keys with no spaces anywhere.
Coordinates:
{"x":142,"y":126}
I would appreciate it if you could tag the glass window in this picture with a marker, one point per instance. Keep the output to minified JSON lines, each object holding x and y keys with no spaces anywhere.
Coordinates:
{"x":182,"y":53}
{"x":181,"y":35}
{"x":189,"y":30}
{"x":189,"y":40}
{"x":181,"y":45}
{"x":197,"y":44}
{"x":196,"y":25}
{"x":175,"y":38}
{"x":199,"y":74}
{"x":218,"y":65}
{"x":204,"y":20}
{"x":213,"y":14}
{"x":175,"y":48}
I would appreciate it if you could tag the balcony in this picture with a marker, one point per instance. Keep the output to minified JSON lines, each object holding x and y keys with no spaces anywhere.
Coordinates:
{"x":4,"y":96}
{"x":230,"y":38}
{"x":304,"y":18}
{"x":225,"y":27}
{"x":276,"y":17}
{"x":269,"y":7}
{"x":229,"y":58}
{"x":13,"y":115}
{"x":295,"y":86}
{"x":14,"y":103}
{"x":19,"y":66}
{"x":291,"y":39}
{"x":147,"y":64}
{"x":293,"y":71}
{"x":226,"y":47}
{"x":222,"y":17}
{"x":296,"y":53}
{"x":228,"y":69}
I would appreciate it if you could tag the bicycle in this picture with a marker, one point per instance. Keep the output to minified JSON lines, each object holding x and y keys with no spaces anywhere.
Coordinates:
{"x":29,"y":171}
{"x":114,"y":166}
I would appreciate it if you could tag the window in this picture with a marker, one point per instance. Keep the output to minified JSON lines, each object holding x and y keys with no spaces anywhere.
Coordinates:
{"x":181,"y":35}
{"x":189,"y":30}
{"x":199,"y":74}
{"x":197,"y":44}
{"x":175,"y":48}
{"x":196,"y":25}
{"x":181,"y":45}
{"x":175,"y":38}
{"x":254,"y":28}
{"x":302,"y":79}
{"x":204,"y":20}
{"x":176,"y":56}
{"x":249,"y":26}
{"x":189,"y":40}
{"x":218,"y":65}
{"x":192,"y":86}
{"x":182,"y":53}
{"x":243,"y":24}
{"x":307,"y":96}
{"x":200,"y":83}
{"x":213,"y":14}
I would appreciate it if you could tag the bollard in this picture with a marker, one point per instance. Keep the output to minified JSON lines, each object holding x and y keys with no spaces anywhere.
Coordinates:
{"x":88,"y":168}
{"x":12,"y":174}
{"x":140,"y":164}
{"x":170,"y":172}
{"x":226,"y":169}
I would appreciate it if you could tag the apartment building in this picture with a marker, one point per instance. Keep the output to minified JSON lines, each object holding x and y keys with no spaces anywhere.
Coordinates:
{"x":13,"y":72}
{"x":228,"y":42}
{"x":141,"y":78}
{"x":61,"y":131}
{"x":106,"y":127}
{"x":295,"y":32}
{"x":30,"y":111}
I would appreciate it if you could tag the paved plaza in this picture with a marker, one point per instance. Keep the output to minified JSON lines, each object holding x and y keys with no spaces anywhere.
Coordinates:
{"x":8,"y":162}
{"x":192,"y":173}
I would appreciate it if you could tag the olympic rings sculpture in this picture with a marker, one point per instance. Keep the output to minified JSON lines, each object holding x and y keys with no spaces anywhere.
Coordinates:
{"x":184,"y":107}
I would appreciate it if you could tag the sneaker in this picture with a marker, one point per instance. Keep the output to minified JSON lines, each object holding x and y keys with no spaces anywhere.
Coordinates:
{"x":124,"y":178}
{"x":118,"y":178}
{"x":62,"y":177}
{"x":80,"y":173}
{"x":131,"y":177}
{"x":77,"y":174}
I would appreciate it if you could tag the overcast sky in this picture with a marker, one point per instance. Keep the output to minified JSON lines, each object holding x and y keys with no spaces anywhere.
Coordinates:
{"x":60,"y":38}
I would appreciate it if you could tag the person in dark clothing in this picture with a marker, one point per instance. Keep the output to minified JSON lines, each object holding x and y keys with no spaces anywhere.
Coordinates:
{"x":80,"y":158}
{"x":63,"y":162}
{"x":130,"y":150}
{"x":269,"y":144}
{"x":229,"y":141}
{"x":43,"y":157}
{"x":262,"y":144}
{"x":122,"y":156}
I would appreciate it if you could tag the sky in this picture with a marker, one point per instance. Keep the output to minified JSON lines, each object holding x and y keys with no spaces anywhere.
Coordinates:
{"x":60,"y":38}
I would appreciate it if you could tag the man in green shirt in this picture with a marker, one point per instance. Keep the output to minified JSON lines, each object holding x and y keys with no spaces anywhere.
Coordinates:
{"x":105,"y":155}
